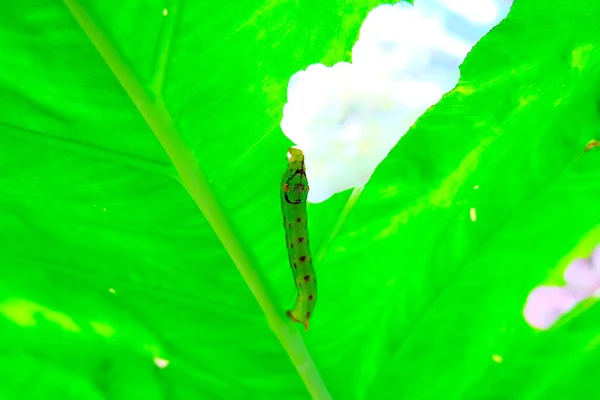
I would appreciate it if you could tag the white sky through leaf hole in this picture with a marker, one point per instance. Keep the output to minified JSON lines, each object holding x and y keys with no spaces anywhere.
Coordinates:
{"x":346,"y":118}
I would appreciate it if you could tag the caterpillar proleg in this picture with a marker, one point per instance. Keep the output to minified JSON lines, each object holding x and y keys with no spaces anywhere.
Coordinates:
{"x":294,"y":192}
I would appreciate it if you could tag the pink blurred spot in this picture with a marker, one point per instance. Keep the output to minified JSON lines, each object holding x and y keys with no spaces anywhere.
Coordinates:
{"x":595,"y":259}
{"x":581,"y":277}
{"x":546,"y":304}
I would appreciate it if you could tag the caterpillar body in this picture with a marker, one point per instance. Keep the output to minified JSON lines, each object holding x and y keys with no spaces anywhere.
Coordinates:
{"x":294,"y":192}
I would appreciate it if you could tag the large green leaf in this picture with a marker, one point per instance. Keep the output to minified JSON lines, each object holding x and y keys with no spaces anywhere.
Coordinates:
{"x":140,"y":157}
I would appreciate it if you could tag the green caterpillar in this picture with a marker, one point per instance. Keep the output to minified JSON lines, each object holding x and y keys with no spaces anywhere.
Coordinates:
{"x":294,"y":192}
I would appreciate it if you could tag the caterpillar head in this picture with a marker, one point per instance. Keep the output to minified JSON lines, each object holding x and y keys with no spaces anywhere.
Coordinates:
{"x":295,"y":155}
{"x":295,"y":184}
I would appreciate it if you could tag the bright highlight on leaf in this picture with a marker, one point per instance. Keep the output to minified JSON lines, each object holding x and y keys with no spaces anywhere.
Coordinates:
{"x":347,"y":117}
{"x":473,"y":214}
{"x":161,"y":362}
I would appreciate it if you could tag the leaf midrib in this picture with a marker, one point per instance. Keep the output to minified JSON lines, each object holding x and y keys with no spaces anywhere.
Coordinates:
{"x":156,"y":115}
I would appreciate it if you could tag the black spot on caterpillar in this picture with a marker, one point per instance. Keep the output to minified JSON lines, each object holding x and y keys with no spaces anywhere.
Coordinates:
{"x":294,"y":192}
